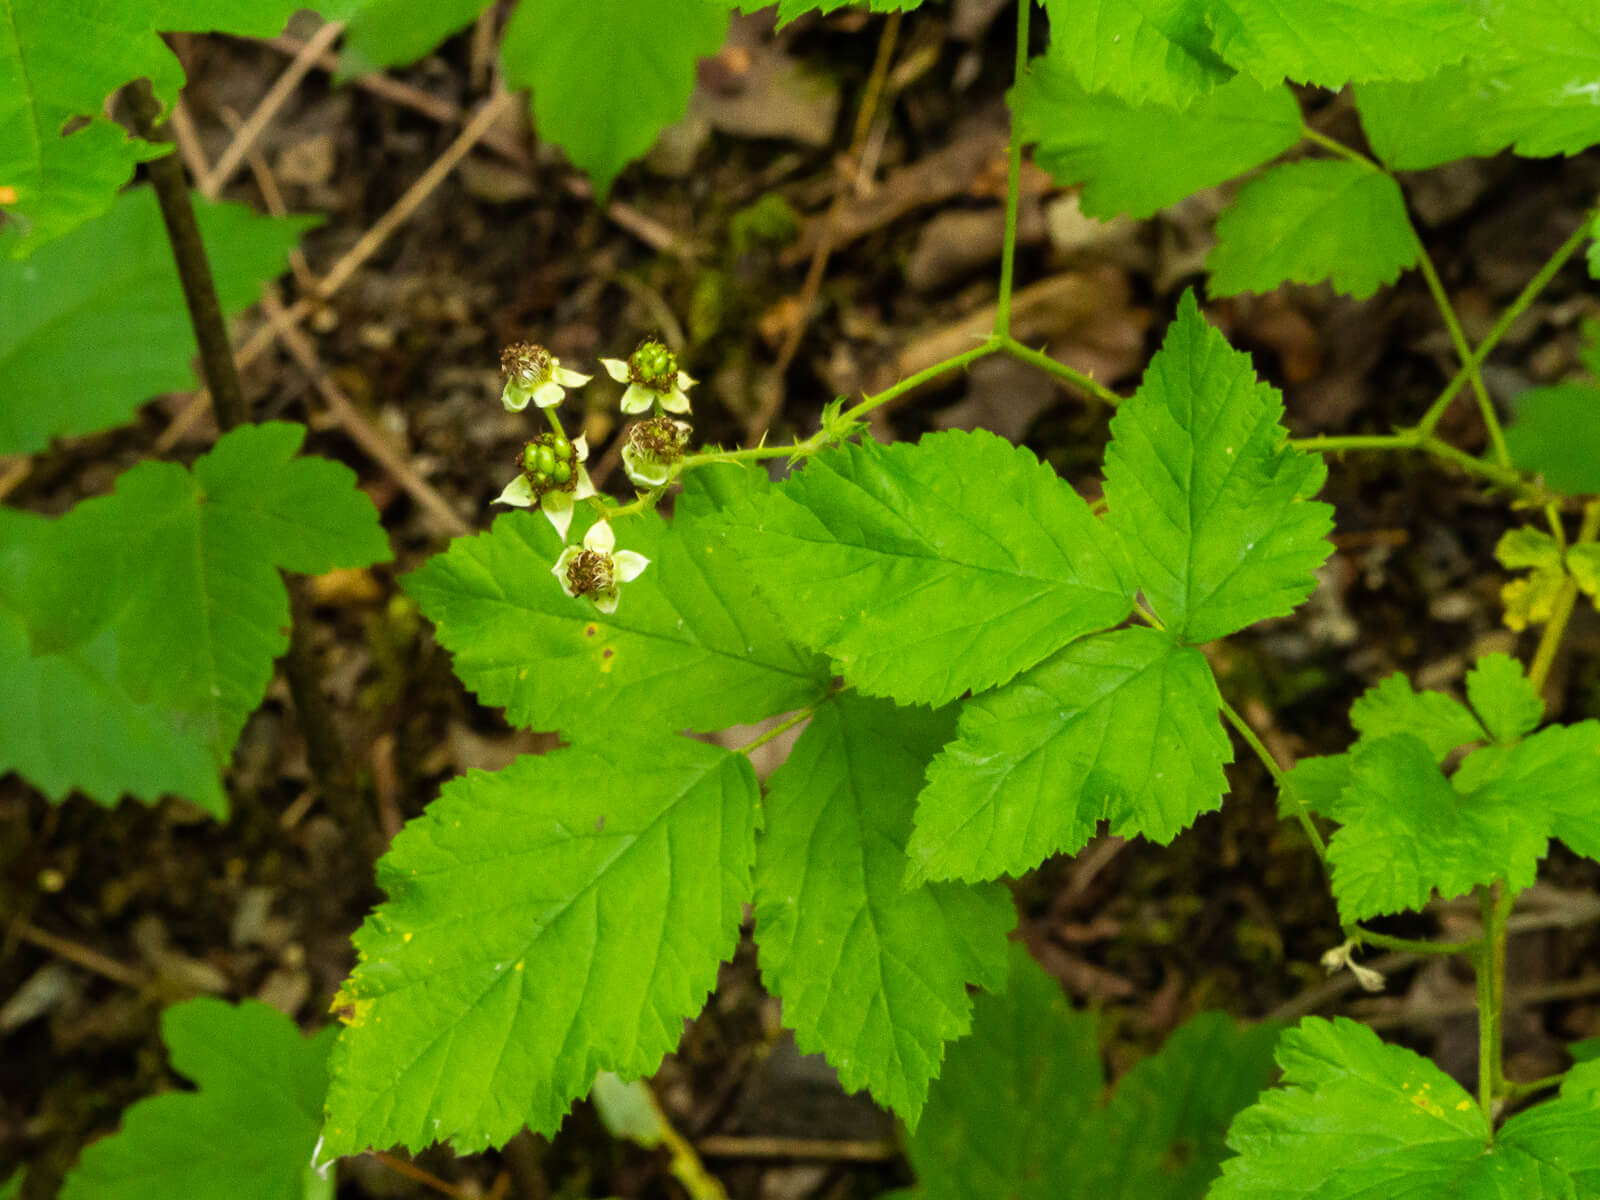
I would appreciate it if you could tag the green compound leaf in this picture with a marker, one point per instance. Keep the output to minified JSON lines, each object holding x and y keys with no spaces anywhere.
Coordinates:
{"x":66,"y":720}
{"x":1018,"y":1109}
{"x":164,"y":602}
{"x":687,"y":648}
{"x":247,"y":1133}
{"x":1084,"y":138}
{"x":1504,"y":697}
{"x":1527,"y":85}
{"x":870,"y":974}
{"x":59,"y":62}
{"x":1362,"y":1120}
{"x":558,"y":918}
{"x":1552,"y":776}
{"x":1391,"y":706}
{"x":1205,"y":493}
{"x":1120,"y":727}
{"x":609,"y":75}
{"x":925,"y":570}
{"x":1407,"y":833}
{"x":1330,"y":43}
{"x":94,"y":324}
{"x":1139,"y":51}
{"x":1307,"y":222}
{"x":1557,"y":434}
{"x":391,"y":33}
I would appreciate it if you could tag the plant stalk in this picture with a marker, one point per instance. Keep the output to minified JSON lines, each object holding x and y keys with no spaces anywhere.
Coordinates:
{"x":1008,"y":253}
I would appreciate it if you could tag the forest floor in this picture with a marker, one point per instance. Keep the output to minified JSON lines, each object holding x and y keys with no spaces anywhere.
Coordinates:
{"x":111,"y":915}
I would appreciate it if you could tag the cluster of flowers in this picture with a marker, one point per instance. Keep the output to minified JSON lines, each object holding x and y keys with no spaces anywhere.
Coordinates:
{"x":550,"y":470}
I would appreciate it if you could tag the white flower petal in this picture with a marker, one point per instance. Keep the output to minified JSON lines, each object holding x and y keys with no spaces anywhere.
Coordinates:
{"x":615,"y":368}
{"x":630,"y":564}
{"x":606,"y":602}
{"x":585,"y":486}
{"x":560,"y":569}
{"x":600,"y":537}
{"x":685,"y":382}
{"x":637,"y":399}
{"x":568,"y":378}
{"x":518,"y":492}
{"x":557,"y":506}
{"x":580,"y":447}
{"x":549,"y":394}
{"x":675,"y":401}
{"x":515,"y":397}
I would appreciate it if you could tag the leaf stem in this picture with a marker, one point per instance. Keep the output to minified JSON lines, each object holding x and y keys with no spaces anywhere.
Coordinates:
{"x":1369,"y":937}
{"x":1458,"y":338}
{"x":1044,"y":362}
{"x":982,"y":350}
{"x":1313,"y":835}
{"x":779,"y":729}
{"x":1544,"y":657}
{"x":1512,"y":1088}
{"x":1008,"y":253}
{"x":1416,"y":439}
{"x":1338,"y":147}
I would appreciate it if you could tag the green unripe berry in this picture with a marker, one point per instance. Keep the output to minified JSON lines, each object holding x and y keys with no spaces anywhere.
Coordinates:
{"x":560,"y":446}
{"x":540,"y":479}
{"x":546,"y":459}
{"x":530,"y":458}
{"x":561,"y":472}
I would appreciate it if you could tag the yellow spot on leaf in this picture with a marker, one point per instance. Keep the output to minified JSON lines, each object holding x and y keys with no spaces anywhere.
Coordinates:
{"x":406,"y":936}
{"x":606,"y":655}
{"x":519,"y":966}
{"x":8,"y":195}
{"x":1463,"y":1104}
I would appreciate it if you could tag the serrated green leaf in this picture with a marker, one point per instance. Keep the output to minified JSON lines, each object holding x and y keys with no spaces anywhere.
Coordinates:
{"x":1205,"y":493}
{"x":1139,"y":51}
{"x":870,"y":974}
{"x":687,"y":648}
{"x":1552,"y":776}
{"x":1528,"y":85}
{"x":1504,"y":698}
{"x":94,"y":324}
{"x":1318,"y":783}
{"x":927,"y":569}
{"x":1556,"y":434}
{"x":1120,"y":727}
{"x":609,"y":75}
{"x":1330,"y":43}
{"x":1532,"y":599}
{"x":1408,"y":833}
{"x":1563,"y":1135}
{"x":59,"y":62}
{"x":392,"y":33}
{"x":1391,"y":706}
{"x":1085,"y":137}
{"x":1526,"y":547}
{"x":1583,"y":561}
{"x":247,"y":1133}
{"x":789,"y":10}
{"x":1307,"y":222}
{"x":560,"y":917}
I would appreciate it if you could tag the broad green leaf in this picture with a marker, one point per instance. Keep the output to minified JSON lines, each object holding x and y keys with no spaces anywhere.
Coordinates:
{"x":1330,"y":43}
{"x":872,"y":975}
{"x":1361,"y":1120}
{"x":1307,"y":222}
{"x":789,"y":10}
{"x":687,"y":648}
{"x":1014,"y":1098}
{"x":1317,"y":783}
{"x":927,"y":569}
{"x":1017,"y":1112}
{"x":392,"y":33}
{"x":1391,"y":706}
{"x":561,"y":917}
{"x":66,"y":721}
{"x":1556,"y":434}
{"x":1086,"y":137}
{"x":1137,"y":50}
{"x":94,"y":324}
{"x":609,"y":75}
{"x":1553,"y":776}
{"x":1121,"y":727}
{"x":59,"y":62}
{"x":1408,"y":833}
{"x":1205,"y":493}
{"x":1529,"y":84}
{"x":1504,"y":697}
{"x":247,"y":1133}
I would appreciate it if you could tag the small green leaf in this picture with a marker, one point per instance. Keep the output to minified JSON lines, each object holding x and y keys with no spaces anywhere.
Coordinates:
{"x":870,"y":974}
{"x":1307,"y":222}
{"x":1391,"y":706}
{"x":393,"y":33}
{"x":1136,"y":50}
{"x":1504,"y":697}
{"x":560,"y":917}
{"x":1205,"y":493}
{"x":1583,"y":561}
{"x":628,"y":1110}
{"x":1330,"y":43}
{"x":1120,"y":727}
{"x":249,"y":1130}
{"x":928,"y":569}
{"x":1552,"y":776}
{"x":1556,"y":434}
{"x":688,"y":647}
{"x":609,"y":75}
{"x":1085,"y":138}
{"x":1407,"y":833}
{"x":1527,"y":547}
{"x":94,"y":324}
{"x":1318,"y":783}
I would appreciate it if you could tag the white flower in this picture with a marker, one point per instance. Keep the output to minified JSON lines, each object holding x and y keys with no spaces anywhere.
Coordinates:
{"x":555,"y":498}
{"x":597,"y":569}
{"x":533,"y":373}
{"x":1340,"y":957}
{"x":653,"y":377}
{"x":653,"y":449}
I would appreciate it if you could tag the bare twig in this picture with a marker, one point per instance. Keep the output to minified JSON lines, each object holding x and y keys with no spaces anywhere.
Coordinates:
{"x":725,"y":1146}
{"x":91,"y":960}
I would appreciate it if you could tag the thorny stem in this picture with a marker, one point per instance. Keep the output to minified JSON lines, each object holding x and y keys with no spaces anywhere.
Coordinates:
{"x":1550,"y":641}
{"x":1044,"y":362}
{"x":1490,"y":962}
{"x":1008,"y":254}
{"x":1424,"y":443}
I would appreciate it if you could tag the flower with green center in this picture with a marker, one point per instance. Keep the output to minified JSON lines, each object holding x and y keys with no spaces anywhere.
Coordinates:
{"x":653,"y":378}
{"x":652,"y":450}
{"x":597,"y":568}
{"x":552,"y":477}
{"x":533,"y":373}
